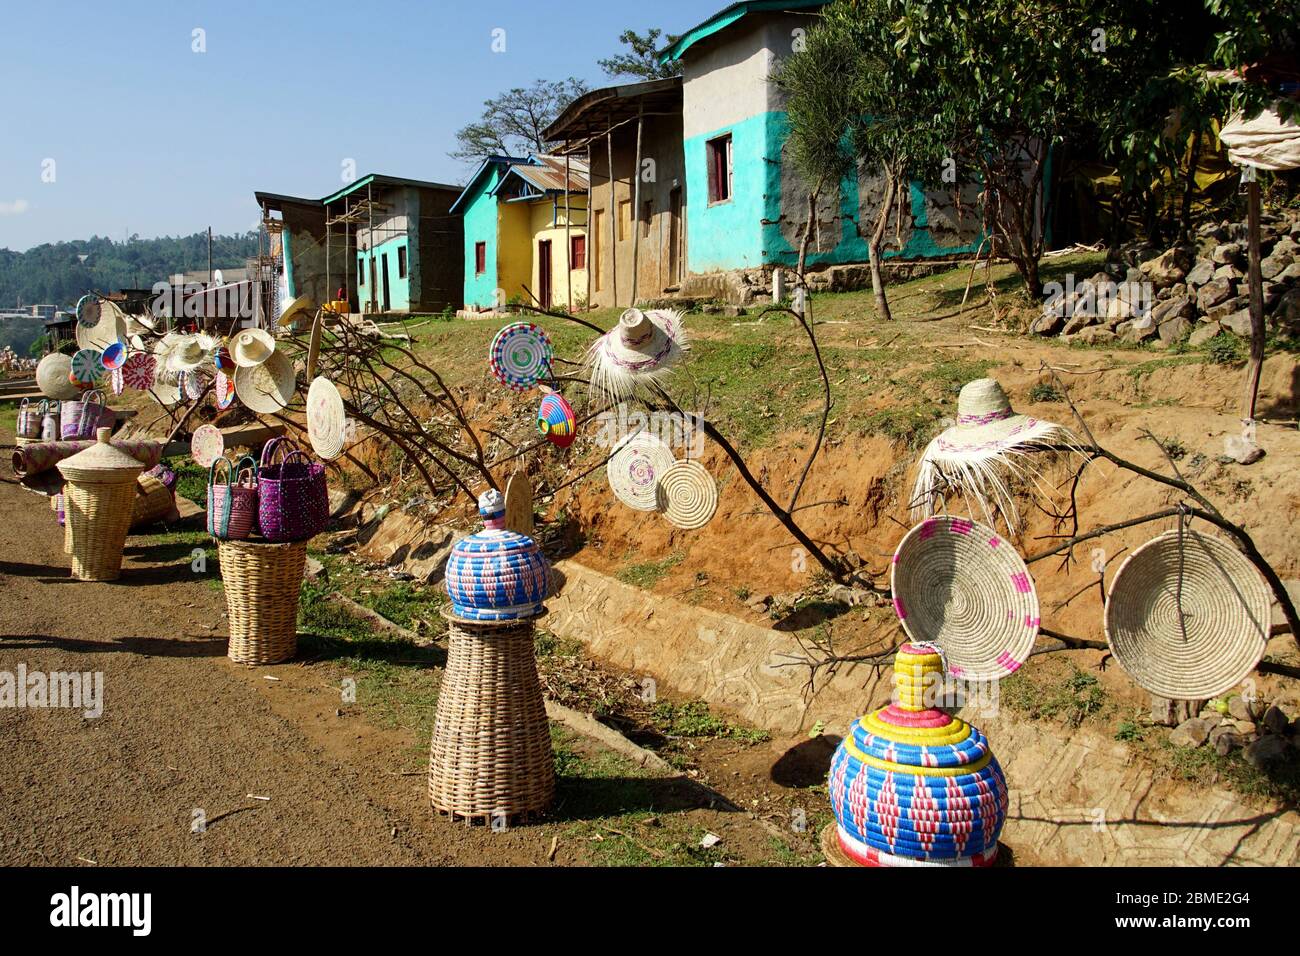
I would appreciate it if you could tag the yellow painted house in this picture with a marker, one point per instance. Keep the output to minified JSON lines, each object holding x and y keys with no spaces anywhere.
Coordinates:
{"x":525,"y":233}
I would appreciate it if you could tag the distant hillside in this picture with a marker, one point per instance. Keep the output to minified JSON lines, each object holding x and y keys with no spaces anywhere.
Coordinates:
{"x":56,"y":272}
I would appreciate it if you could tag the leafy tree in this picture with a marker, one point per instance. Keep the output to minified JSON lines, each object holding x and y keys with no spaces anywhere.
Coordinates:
{"x":853,"y":104}
{"x":642,"y":58}
{"x":512,"y":123}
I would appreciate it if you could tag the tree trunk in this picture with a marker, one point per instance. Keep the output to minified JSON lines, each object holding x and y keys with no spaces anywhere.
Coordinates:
{"x":808,"y":230}
{"x":874,"y":243}
{"x":1189,"y":187}
{"x":1256,"y":363}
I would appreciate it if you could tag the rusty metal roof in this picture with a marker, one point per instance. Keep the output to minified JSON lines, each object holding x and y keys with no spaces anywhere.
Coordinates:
{"x":548,"y":174}
{"x":597,"y":112}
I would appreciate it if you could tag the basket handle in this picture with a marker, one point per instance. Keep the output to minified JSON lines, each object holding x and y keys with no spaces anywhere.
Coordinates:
{"x":271,"y":448}
{"x":94,"y":395}
{"x":212,"y":470}
{"x":241,"y":469}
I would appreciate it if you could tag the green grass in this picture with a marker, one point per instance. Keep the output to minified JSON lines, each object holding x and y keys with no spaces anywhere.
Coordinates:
{"x":694,"y":719}
{"x":9,"y":417}
{"x":191,"y":479}
{"x":1072,"y":697}
{"x":1205,"y":767}
{"x":648,"y":574}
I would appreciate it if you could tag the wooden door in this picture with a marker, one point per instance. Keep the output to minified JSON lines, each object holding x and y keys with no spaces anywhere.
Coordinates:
{"x":544,"y":272}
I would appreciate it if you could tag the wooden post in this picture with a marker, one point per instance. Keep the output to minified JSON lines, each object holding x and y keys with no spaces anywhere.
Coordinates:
{"x":613,"y":210}
{"x":636,"y":203}
{"x":588,"y":245}
{"x":568,"y":240}
{"x":1255,"y":365}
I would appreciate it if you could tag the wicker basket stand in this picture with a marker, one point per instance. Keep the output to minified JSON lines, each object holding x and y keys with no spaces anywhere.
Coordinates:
{"x":262,"y":582}
{"x":490,"y":757}
{"x":99,"y":499}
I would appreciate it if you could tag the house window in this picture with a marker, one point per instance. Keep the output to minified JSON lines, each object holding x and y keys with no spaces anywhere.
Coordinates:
{"x":624,"y":219}
{"x":480,"y":258}
{"x":578,"y":252}
{"x":647,"y":213}
{"x":361,"y":272}
{"x":401,"y":262}
{"x":719,"y":158}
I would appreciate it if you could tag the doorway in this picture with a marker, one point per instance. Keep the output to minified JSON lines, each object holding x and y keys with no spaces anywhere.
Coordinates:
{"x":544,"y":272}
{"x":387,"y":301}
{"x":675,"y":238}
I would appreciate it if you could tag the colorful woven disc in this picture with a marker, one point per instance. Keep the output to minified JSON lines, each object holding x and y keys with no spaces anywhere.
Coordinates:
{"x":521,"y":355}
{"x":207,"y":445}
{"x":556,"y":421}
{"x":87,"y":367}
{"x":137,"y":371}
{"x":635,"y":468}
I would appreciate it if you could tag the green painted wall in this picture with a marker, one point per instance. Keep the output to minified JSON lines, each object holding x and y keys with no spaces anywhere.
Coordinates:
{"x":399,"y":290}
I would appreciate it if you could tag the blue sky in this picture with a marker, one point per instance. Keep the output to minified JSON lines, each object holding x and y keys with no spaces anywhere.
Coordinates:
{"x":151,"y":138}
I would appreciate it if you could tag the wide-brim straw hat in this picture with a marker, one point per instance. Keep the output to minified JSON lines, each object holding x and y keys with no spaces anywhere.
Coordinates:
{"x":642,"y":347}
{"x":52,"y":377}
{"x":635,"y":468}
{"x":1225,"y":620}
{"x":252,"y":347}
{"x":298,"y":307}
{"x":109,"y":327}
{"x":687,"y":495}
{"x":186,"y":353}
{"x":267,"y":387}
{"x":326,"y":419}
{"x":962,"y":587}
{"x":976,"y":457}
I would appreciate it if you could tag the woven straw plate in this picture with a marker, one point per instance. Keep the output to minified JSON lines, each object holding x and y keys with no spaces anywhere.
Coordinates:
{"x":326,"y":419}
{"x":1226,"y":615}
{"x":207,"y":445}
{"x":687,"y":495}
{"x":268,"y":387}
{"x":963,"y":587}
{"x":635,"y":468}
{"x":521,"y":355}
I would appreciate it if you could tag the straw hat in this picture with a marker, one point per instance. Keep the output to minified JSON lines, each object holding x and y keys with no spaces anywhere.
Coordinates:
{"x":635,"y":468}
{"x":188,"y":352}
{"x":960,"y":586}
{"x":52,"y":377}
{"x":521,"y":355}
{"x":165,"y":389}
{"x":252,"y":347}
{"x":266,"y":387}
{"x":109,"y":327}
{"x":297,"y":307}
{"x":977,"y":455}
{"x":687,"y":495}
{"x":1226,"y":615}
{"x":207,"y":445}
{"x":326,"y":419}
{"x":642,"y":347}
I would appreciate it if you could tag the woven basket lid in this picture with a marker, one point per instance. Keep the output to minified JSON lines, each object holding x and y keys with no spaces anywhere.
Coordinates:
{"x":635,"y":468}
{"x":1226,"y":613}
{"x":101,"y":462}
{"x":961,"y":586}
{"x":687,"y":495}
{"x":326,"y":419}
{"x":52,"y":377}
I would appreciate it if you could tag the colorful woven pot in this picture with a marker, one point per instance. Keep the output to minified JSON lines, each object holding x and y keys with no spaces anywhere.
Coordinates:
{"x":912,"y":785}
{"x":496,"y":574}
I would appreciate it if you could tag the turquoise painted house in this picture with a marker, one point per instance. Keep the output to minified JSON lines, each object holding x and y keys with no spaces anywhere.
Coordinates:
{"x":524,"y":232}
{"x":746,"y":204}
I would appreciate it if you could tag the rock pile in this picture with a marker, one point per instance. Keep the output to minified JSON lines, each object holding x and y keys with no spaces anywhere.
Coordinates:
{"x":1192,"y":291}
{"x":1264,"y":732}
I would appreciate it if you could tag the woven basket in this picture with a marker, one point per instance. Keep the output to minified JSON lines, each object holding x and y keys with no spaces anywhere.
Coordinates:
{"x":1225,"y":616}
{"x":232,"y":507}
{"x":153,"y":501}
{"x":491,"y":749}
{"x":28,"y":424}
{"x":20,"y":441}
{"x":262,"y":584}
{"x":81,"y":419}
{"x":99,"y":498}
{"x":292,"y":495}
{"x":959,"y":585}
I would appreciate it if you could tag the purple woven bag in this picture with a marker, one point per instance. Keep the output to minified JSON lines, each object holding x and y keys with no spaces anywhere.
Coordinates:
{"x":292,"y":496}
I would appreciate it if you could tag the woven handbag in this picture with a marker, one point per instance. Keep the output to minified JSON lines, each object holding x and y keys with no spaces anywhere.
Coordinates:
{"x":232,"y":507}
{"x":81,"y":419}
{"x":29,"y":422}
{"x":293,"y":498}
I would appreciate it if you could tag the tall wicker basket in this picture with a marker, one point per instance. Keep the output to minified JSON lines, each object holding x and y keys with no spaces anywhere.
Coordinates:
{"x":490,"y":757}
{"x":262,"y":583}
{"x":98,"y":501}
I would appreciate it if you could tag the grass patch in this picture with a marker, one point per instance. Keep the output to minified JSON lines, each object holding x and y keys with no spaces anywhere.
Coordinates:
{"x":1045,"y":392}
{"x":1204,"y":766}
{"x":1072,"y":697}
{"x":694,"y":719}
{"x":648,"y":574}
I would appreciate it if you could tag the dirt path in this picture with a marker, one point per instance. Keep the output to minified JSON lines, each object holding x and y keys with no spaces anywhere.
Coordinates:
{"x":183,"y":730}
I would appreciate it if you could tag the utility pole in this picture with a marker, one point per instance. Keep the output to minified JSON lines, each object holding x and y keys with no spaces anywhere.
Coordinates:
{"x":209,"y":255}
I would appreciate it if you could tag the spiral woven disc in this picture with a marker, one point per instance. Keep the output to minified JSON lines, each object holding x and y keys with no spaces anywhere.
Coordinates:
{"x":207,"y":445}
{"x":88,"y":367}
{"x":687,"y":495}
{"x":635,"y":468}
{"x":961,"y":586}
{"x":1225,"y":621}
{"x":326,"y":419}
{"x":521,"y":355}
{"x":138,"y":370}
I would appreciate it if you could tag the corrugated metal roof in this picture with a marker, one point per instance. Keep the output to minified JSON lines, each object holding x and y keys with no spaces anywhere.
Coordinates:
{"x":548,"y":175}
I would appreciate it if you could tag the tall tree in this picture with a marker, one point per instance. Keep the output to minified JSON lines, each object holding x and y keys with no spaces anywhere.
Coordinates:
{"x":642,"y":57}
{"x":512,"y":123}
